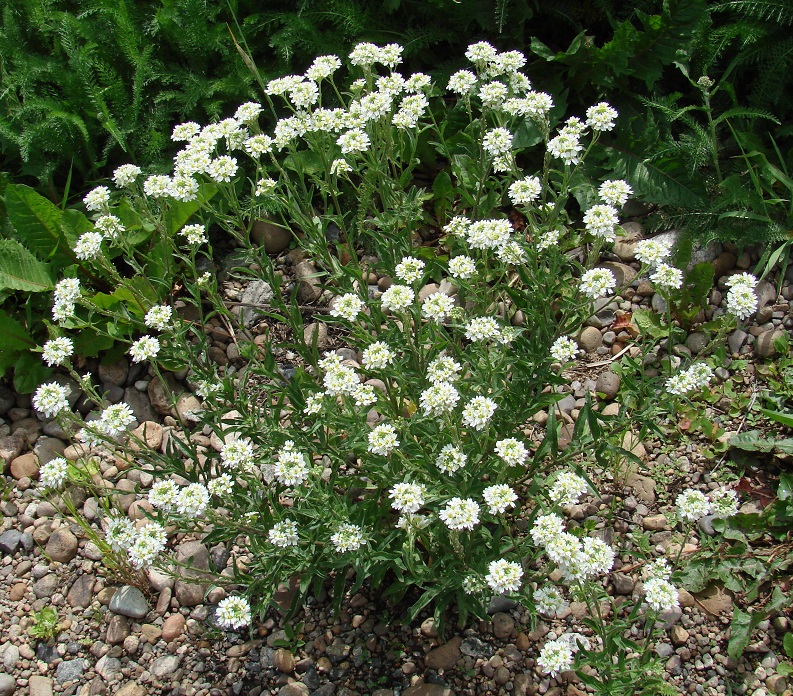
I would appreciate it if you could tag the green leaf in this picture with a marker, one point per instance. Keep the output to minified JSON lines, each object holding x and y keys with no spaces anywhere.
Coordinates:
{"x":13,"y":336}
{"x":787,"y":643}
{"x":29,"y":372}
{"x":785,"y":669}
{"x":37,"y":224}
{"x":741,"y":631}
{"x":785,"y":490}
{"x":20,"y":270}
{"x":779,"y":417}
{"x":650,"y":323}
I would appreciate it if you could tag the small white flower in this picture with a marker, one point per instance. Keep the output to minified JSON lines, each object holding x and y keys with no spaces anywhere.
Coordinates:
{"x":233,"y":613}
{"x":163,"y":495}
{"x":222,"y":169}
{"x":283,"y":534}
{"x":347,"y":306}
{"x":377,"y":356}
{"x":339,"y":167}
{"x":497,"y":142}
{"x":460,"y":513}
{"x":723,"y":502}
{"x":125,"y":175}
{"x":692,"y":505}
{"x":53,"y":473}
{"x":741,"y":279}
{"x":556,"y":656}
{"x":600,"y":220}
{"x":192,"y":500}
{"x":115,"y":419}
{"x":408,"y":497}
{"x":185,"y":131}
{"x":409,"y":269}
{"x":383,"y":440}
{"x":667,"y":277}
{"x":482,"y":329}
{"x":88,"y":246}
{"x":598,"y":557}
{"x":364,"y":395}
{"x":157,"y":186}
{"x":238,"y":454}
{"x":597,"y":282}
{"x":145,"y":348}
{"x":615,"y":191}
{"x":546,"y":528}
{"x":478,"y":412}
{"x":538,"y":104}
{"x":221,"y":486}
{"x":247,"y":112}
{"x":565,"y":147}
{"x":50,"y":399}
{"x":348,"y":537}
{"x":110,"y":226}
{"x":549,"y":600}
{"x":443,"y":369}
{"x":148,"y":543}
{"x":504,"y":576}
{"x":601,"y":117}
{"x":397,"y":297}
{"x":438,"y":399}
{"x":323,"y":67}
{"x":291,"y":466}
{"x":158,"y":317}
{"x":437,"y":307}
{"x":481,"y":53}
{"x":120,"y":533}
{"x":462,"y":267}
{"x":499,"y":498}
{"x":525,"y":191}
{"x":451,"y":459}
{"x":258,"y":145}
{"x":652,"y":251}
{"x":57,"y":350}
{"x":97,"y":199}
{"x":512,"y":451}
{"x":660,"y":594}
{"x":741,"y":301}
{"x":493,"y":94}
{"x":462,"y":82}
{"x":567,"y":489}
{"x":354,"y":140}
{"x":564,"y":349}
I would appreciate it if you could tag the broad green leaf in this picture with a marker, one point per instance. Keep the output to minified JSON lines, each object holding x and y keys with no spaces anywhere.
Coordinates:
{"x":20,"y":270}
{"x":650,"y":323}
{"x":181,"y":211}
{"x":787,"y":642}
{"x":785,"y":490}
{"x":741,"y":631}
{"x":779,"y":417}
{"x":29,"y":372}
{"x":13,"y":336}
{"x":37,"y":224}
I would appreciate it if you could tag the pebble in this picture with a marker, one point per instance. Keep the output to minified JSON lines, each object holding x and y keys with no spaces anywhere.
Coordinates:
{"x":163,"y":666}
{"x":129,"y":601}
{"x":446,"y":656}
{"x":173,"y":627}
{"x":503,"y":625}
{"x":8,"y":685}
{"x":607,"y":384}
{"x":40,"y":686}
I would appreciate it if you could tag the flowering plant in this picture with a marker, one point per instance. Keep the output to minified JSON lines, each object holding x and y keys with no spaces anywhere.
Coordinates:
{"x":412,"y":456}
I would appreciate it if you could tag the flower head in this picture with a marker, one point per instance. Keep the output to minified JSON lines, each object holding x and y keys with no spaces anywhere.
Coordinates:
{"x":615,"y":191}
{"x":194,"y":234}
{"x":451,"y":459}
{"x":347,"y":306}
{"x":661,"y":594}
{"x":409,"y":269}
{"x":512,"y":451}
{"x":564,"y":349}
{"x":556,"y":656}
{"x":598,"y":282}
{"x":549,"y":600}
{"x":462,"y":267}
{"x":348,"y":537}
{"x":499,"y":498}
{"x":283,"y":534}
{"x":53,"y":473}
{"x":125,"y":175}
{"x":115,"y":419}
{"x":567,"y":489}
{"x":408,"y":497}
{"x":148,"y":543}
{"x":652,"y":251}
{"x":600,"y":220}
{"x":460,"y":513}
{"x":97,"y":199}
{"x":601,"y":117}
{"x":88,"y":245}
{"x":50,"y":399}
{"x":504,"y":576}
{"x":478,"y":412}
{"x":397,"y":297}
{"x":377,"y":356}
{"x":145,"y":348}
{"x":723,"y":502}
{"x":192,"y":500}
{"x":291,"y":467}
{"x":692,"y":504}
{"x":667,"y":277}
{"x":383,"y":439}
{"x":158,"y":317}
{"x":437,"y":307}
{"x":233,"y":612}
{"x":525,"y":191}
{"x":57,"y":350}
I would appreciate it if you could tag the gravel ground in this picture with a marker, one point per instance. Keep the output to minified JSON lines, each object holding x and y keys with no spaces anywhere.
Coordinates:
{"x":115,"y":639}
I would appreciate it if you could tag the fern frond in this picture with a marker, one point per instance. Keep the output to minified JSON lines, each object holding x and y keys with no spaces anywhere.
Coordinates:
{"x":776,"y":11}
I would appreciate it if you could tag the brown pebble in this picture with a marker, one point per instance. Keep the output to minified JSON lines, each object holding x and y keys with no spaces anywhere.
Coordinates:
{"x":173,"y":627}
{"x":17,"y":591}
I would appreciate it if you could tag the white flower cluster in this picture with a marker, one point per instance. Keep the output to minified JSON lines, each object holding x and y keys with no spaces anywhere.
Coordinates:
{"x":695,"y":377}
{"x":292,"y":467}
{"x":499,"y":498}
{"x":383,"y":439}
{"x":115,"y":420}
{"x":191,"y":500}
{"x":348,"y":537}
{"x":283,"y":534}
{"x":615,"y":192}
{"x":50,"y":399}
{"x":504,"y":576}
{"x":564,"y":349}
{"x":67,"y":292}
{"x":741,"y":297}
{"x":57,"y":350}
{"x":667,"y":277}
{"x":512,"y":451}
{"x":142,"y":545}
{"x":88,"y":246}
{"x":556,"y":656}
{"x":408,"y":497}
{"x":693,"y":504}
{"x":652,"y":251}
{"x":233,"y":613}
{"x":53,"y":473}
{"x":576,"y":558}
{"x":158,"y":317}
{"x":347,"y":306}
{"x":601,"y":221}
{"x":238,"y":453}
{"x":567,"y":488}
{"x":549,"y":600}
{"x":597,"y":283}
{"x":460,"y":513}
{"x":525,"y":191}
{"x":145,"y":348}
{"x":659,"y":592}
